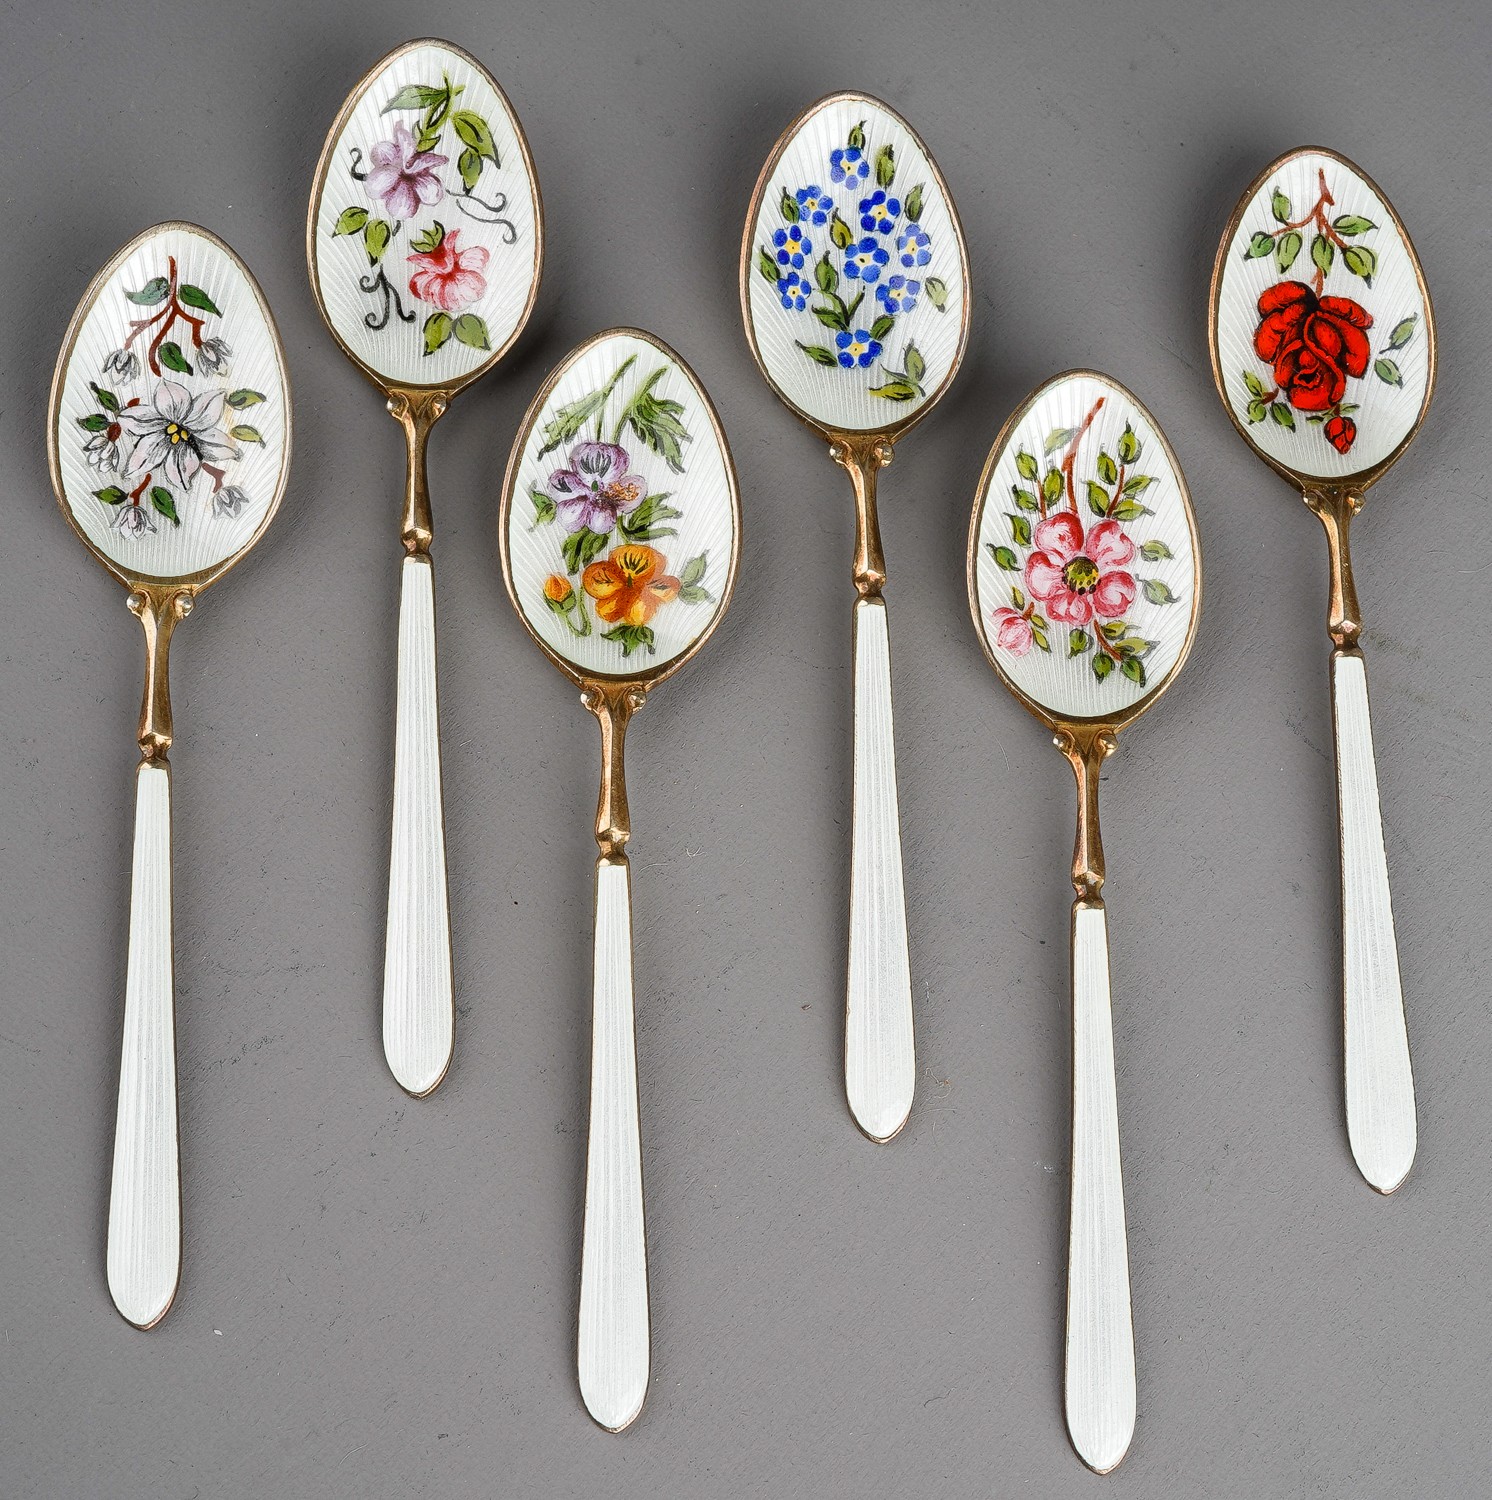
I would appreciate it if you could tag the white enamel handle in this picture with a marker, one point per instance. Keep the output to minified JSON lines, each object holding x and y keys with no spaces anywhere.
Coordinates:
{"x":419,"y":1015}
{"x":144,"y":1248}
{"x":880,"y":1064}
{"x":1380,"y":1082}
{"x":613,"y":1352}
{"x":1100,"y":1329}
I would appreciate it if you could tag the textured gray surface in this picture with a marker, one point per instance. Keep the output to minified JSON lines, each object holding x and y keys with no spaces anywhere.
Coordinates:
{"x":379,"y":1295}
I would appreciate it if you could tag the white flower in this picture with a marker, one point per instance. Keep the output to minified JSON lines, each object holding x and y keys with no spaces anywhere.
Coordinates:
{"x":179,"y":433}
{"x":132,"y":520}
{"x":213,"y":356}
{"x":102,"y":452}
{"x":229,"y":501}
{"x":123,"y":363}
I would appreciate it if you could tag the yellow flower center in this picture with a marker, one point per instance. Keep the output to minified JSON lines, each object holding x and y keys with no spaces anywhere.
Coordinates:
{"x":1080,"y":575}
{"x":176,"y":433}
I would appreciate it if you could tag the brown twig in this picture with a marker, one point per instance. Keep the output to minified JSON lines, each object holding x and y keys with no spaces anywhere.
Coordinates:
{"x":1072,"y":454}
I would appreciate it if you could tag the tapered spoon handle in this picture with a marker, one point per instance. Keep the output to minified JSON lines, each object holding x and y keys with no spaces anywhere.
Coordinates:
{"x":880,"y":1065}
{"x":613,"y":1353}
{"x":1380,"y":1083}
{"x":418,"y":1006}
{"x":144,"y":1248}
{"x":1100,"y":1329}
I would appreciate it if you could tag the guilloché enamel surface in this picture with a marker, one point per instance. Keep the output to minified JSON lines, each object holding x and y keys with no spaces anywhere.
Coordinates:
{"x":1084,"y":553}
{"x":425,"y":242}
{"x":621,"y":522}
{"x":170,"y":438}
{"x":1322,"y":339}
{"x":854,"y":273}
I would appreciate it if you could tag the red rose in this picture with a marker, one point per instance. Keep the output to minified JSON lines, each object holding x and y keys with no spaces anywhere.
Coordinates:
{"x":1341,"y":433}
{"x":1313,"y":343}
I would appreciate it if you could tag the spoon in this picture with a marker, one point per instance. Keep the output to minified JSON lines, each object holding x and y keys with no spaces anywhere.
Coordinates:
{"x":854,"y":280}
{"x":620,"y":528}
{"x":425,"y":238}
{"x":1323,"y":350}
{"x":1085,"y":582}
{"x":168,"y":438}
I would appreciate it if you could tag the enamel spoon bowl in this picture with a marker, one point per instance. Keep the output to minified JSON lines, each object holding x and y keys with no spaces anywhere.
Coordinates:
{"x":425,"y":240}
{"x":168,"y":437}
{"x":854,"y":290}
{"x":1085,"y":584}
{"x":620,"y":532}
{"x":1323,"y":350}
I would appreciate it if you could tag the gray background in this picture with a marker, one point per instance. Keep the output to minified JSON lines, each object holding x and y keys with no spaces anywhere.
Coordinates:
{"x":379,"y":1294}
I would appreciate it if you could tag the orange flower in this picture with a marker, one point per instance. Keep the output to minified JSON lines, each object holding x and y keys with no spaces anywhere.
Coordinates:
{"x":557,"y":589}
{"x":629,"y":585}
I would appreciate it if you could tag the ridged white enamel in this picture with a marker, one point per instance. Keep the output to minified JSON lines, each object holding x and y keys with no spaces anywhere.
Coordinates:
{"x":144,"y":1246}
{"x":838,"y":398}
{"x":397,"y":351}
{"x":1380,"y":1082}
{"x":880,"y":1063}
{"x":1100,"y":1329}
{"x":418,"y":1005}
{"x":1386,"y":413}
{"x":613,"y":1353}
{"x":1067,"y":685}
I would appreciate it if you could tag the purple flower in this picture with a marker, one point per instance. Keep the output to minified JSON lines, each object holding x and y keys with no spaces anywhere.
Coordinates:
{"x":403,"y":177}
{"x":132,"y":520}
{"x":596,"y":488}
{"x":178,"y":433}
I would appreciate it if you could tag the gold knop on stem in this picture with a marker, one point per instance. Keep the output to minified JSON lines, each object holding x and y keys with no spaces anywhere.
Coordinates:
{"x":1335,"y":510}
{"x":1086,"y":748}
{"x":158,"y":607}
{"x":417,"y":412}
{"x":862,"y":455}
{"x":613,"y":705}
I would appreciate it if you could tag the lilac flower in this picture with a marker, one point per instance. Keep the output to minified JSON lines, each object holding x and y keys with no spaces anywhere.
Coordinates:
{"x":596,"y":488}
{"x":213,"y":356}
{"x":229,"y":501}
{"x":132,"y":520}
{"x":124,"y":363}
{"x":179,"y":433}
{"x":404,"y":177}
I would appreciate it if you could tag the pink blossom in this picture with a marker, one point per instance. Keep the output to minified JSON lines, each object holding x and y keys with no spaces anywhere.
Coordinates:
{"x":1013,"y":631}
{"x":404,"y":177}
{"x":447,"y":277}
{"x":1081,"y":578}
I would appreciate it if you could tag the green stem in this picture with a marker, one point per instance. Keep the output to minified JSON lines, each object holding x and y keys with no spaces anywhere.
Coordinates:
{"x":606,"y":391}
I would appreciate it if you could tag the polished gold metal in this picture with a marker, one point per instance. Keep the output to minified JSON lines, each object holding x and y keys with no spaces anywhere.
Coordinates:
{"x":613,"y":707}
{"x":862,"y":456}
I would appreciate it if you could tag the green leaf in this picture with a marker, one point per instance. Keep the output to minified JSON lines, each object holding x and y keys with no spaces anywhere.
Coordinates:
{"x":916,"y":365}
{"x":691,"y":593}
{"x":1134,"y":645}
{"x":1113,"y":629}
{"x":111,"y":496}
{"x":1130,"y":510}
{"x":1402,"y":333}
{"x":1323,"y":252}
{"x":644,"y":524}
{"x":841,"y":233}
{"x":1129,"y":445}
{"x":1134,"y":669}
{"x":1025,"y":464}
{"x":415,"y":96}
{"x":1287,"y":250}
{"x":583,"y":547}
{"x":896,"y":389}
{"x":194,"y":296}
{"x":1280,"y":206}
{"x":885,"y":167}
{"x":632,"y":638}
{"x":693,"y":571}
{"x":787,"y":206}
{"x":1078,"y":641}
{"x":655,"y":420}
{"x":1256,"y":410}
{"x":1051,"y":486}
{"x":1283,"y":416}
{"x":1261,"y":245}
{"x":1108,"y":470}
{"x":1155,"y":551}
{"x":350,"y":220}
{"x":1361,"y":261}
{"x":1098,"y":498}
{"x":1055,"y":439}
{"x":472,"y":331}
{"x":106,"y":399}
{"x":243,"y":397}
{"x":913,"y":206}
{"x":1137,"y":484}
{"x":545,"y":509}
{"x":1158,"y":592}
{"x":475,"y":133}
{"x":1387,"y":371}
{"x":857,"y":137}
{"x":1103,"y":664}
{"x":1024,"y":498}
{"x":171,"y":356}
{"x":1020,"y":530}
{"x":1351,"y":224}
{"x":832,"y":316}
{"x":437,"y":330}
{"x":430,"y":240}
{"x":161,"y":499}
{"x":94,"y":422}
{"x":826,"y":276}
{"x":245,"y":434}
{"x":1004,"y":557}
{"x":1038,"y":633}
{"x":1252,"y":383}
{"x":937,"y":292}
{"x":469,"y":164}
{"x":818,"y":354}
{"x":767,"y":266}
{"x":152,"y":292}
{"x":882,"y":326}
{"x":1017,"y":598}
{"x":376,"y":236}
{"x":569,"y":419}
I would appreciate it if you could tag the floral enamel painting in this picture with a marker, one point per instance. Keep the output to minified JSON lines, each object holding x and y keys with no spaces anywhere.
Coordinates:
{"x":1083,"y":558}
{"x":170,"y":442}
{"x":854,"y":269}
{"x":621,"y":510}
{"x":426,"y":228}
{"x":1322,"y":346}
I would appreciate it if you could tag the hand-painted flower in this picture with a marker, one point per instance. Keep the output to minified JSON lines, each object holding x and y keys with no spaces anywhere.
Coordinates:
{"x":857,"y":348}
{"x":403,"y":177}
{"x":629,"y":585}
{"x":124,"y":363}
{"x":102,"y":449}
{"x":558,"y":588}
{"x":848,"y":164}
{"x":899,"y":295}
{"x":229,"y":501}
{"x":448,"y":277}
{"x":1013,"y":631}
{"x":814,"y":204}
{"x":1313,"y":343}
{"x":879,"y":213}
{"x":1341,"y":433}
{"x":794,"y":290}
{"x":177,"y":434}
{"x":914,"y":246}
{"x":1081,"y":578}
{"x":793,"y":246}
{"x":132,"y":520}
{"x":864,"y":262}
{"x":213,"y":356}
{"x":596,"y":488}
